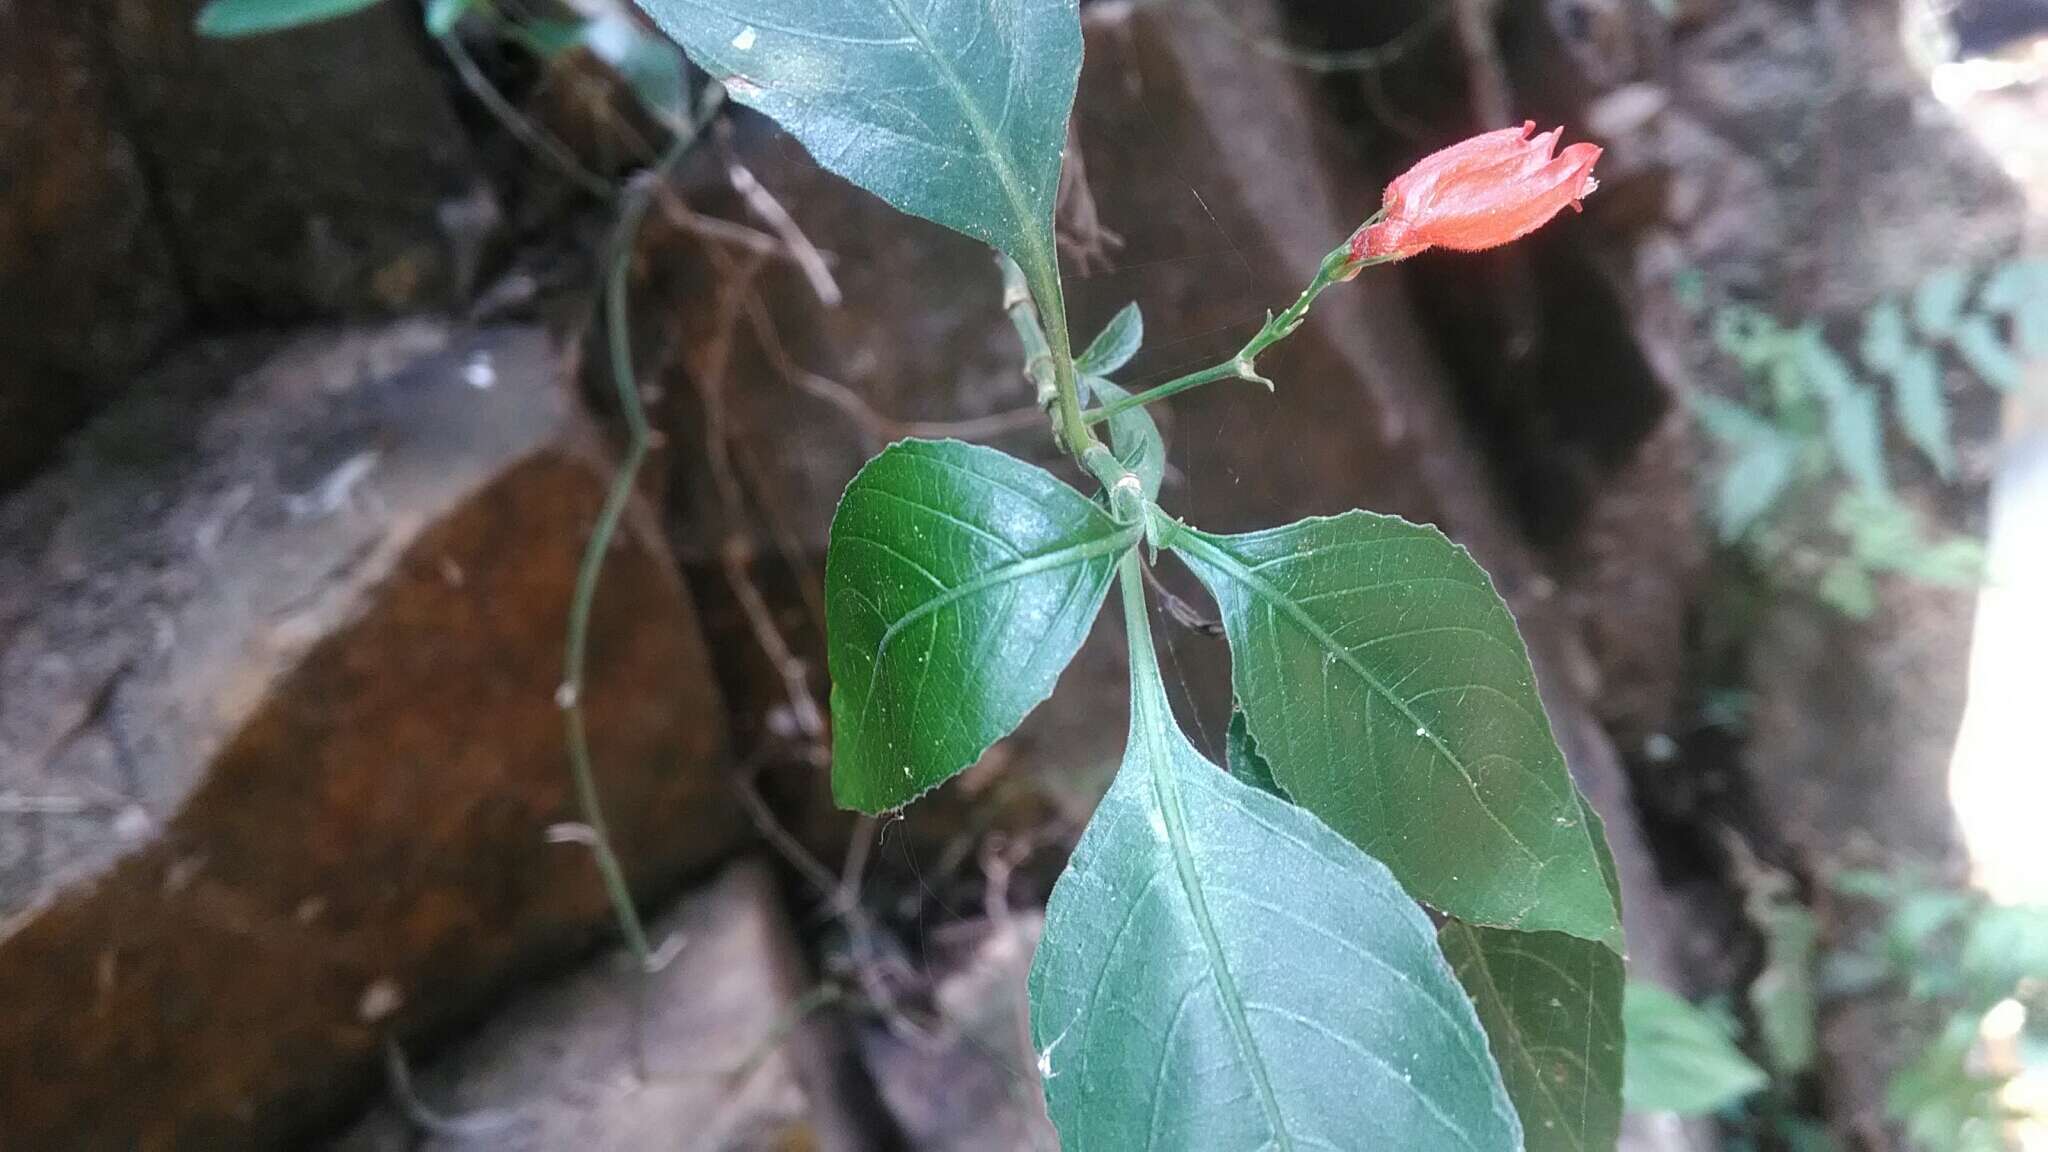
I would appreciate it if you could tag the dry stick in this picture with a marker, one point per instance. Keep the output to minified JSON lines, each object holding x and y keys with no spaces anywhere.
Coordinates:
{"x":1179,"y":610}
{"x":811,"y":868}
{"x":725,"y":447}
{"x":738,"y":558}
{"x":840,"y":904}
{"x":1491,"y":92}
{"x":876,"y":426}
{"x":723,"y":231}
{"x":1081,"y":233}
{"x":737,"y":553}
{"x":793,"y":247}
{"x":860,"y":845}
{"x":1488,"y":75}
{"x":762,"y":203}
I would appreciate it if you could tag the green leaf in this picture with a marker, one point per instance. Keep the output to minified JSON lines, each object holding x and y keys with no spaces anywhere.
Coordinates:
{"x":1551,"y":1006}
{"x":1943,"y":1099}
{"x":1923,"y":409}
{"x":1751,"y":337}
{"x":1938,"y":301}
{"x":1679,"y":1058}
{"x":1783,"y":996}
{"x":1856,"y":435}
{"x":2014,"y":284}
{"x":1729,"y":422}
{"x":649,"y":65}
{"x":2030,"y":328}
{"x":2019,"y":288}
{"x":1221,"y":973}
{"x":1385,"y":682}
{"x":1753,"y":482}
{"x":1978,"y":343}
{"x":1885,"y":534}
{"x":1846,"y":587}
{"x":227,"y":18}
{"x":1114,"y":346}
{"x":1825,"y":372}
{"x":953,"y":110}
{"x":549,"y":39}
{"x":1241,"y":755}
{"x":2005,"y":947}
{"x":444,"y":15}
{"x":1134,"y":436}
{"x":958,"y":584}
{"x":1886,"y":342}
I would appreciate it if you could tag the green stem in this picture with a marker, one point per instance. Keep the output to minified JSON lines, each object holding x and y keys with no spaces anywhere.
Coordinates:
{"x":1049,"y":362}
{"x":1138,"y":629}
{"x":523,"y":129}
{"x":1228,"y":370}
{"x":1030,"y":332}
{"x":609,"y":517}
{"x":1337,"y":266}
{"x":1044,"y":279}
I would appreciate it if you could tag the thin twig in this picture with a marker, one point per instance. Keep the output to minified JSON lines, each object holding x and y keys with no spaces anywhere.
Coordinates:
{"x":1487,"y":75}
{"x":859,"y":847}
{"x":841,"y":904}
{"x":1179,"y":610}
{"x":473,"y":1126}
{"x":738,"y":560}
{"x":523,"y":128}
{"x":1327,"y":61}
{"x":737,"y":553}
{"x":789,"y":847}
{"x":620,"y":495}
{"x":1081,"y":232}
{"x":723,"y":231}
{"x":878,"y":427}
{"x":762,"y":203}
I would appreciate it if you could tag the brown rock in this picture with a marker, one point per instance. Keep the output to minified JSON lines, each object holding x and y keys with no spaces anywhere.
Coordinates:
{"x":86,"y":272}
{"x":301,"y":172}
{"x":715,"y":1053}
{"x":279,"y":748}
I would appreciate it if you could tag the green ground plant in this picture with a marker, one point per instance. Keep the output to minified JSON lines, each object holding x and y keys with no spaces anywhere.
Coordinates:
{"x":1391,"y":920}
{"x":1804,"y":489}
{"x":1231,"y":960}
{"x":1978,"y":971}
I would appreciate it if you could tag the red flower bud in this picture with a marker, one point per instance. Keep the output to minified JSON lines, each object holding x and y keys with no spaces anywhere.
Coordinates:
{"x":1478,"y":193}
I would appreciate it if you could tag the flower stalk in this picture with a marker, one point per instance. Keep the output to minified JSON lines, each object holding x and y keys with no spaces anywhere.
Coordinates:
{"x":1337,"y":266}
{"x":1477,"y":194}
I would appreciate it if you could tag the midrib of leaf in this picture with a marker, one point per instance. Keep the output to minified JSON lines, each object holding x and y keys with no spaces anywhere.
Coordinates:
{"x":1063,"y":557}
{"x":1041,"y":269}
{"x":999,"y":157}
{"x":1521,"y":1049}
{"x":1275,"y":598}
{"x":1155,"y":717}
{"x":996,"y":577}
